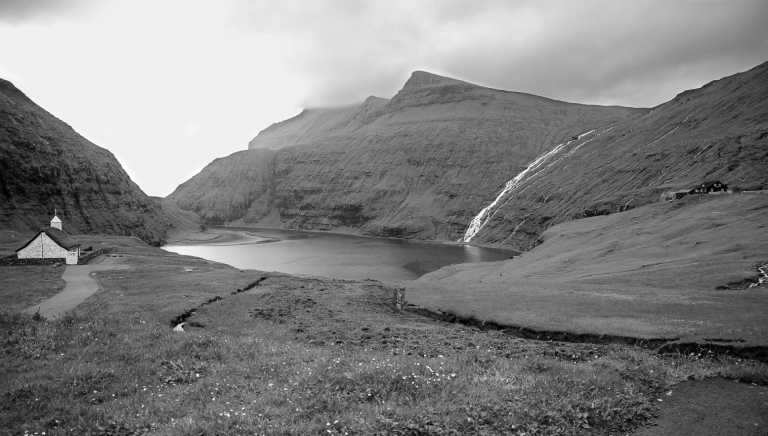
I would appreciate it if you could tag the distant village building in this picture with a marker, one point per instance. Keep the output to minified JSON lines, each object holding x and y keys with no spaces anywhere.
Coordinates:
{"x":674,"y":195}
{"x":703,"y":188}
{"x":707,"y":187}
{"x":51,"y":243}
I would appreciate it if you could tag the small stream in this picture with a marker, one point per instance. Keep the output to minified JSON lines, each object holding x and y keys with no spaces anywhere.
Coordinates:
{"x":763,"y":278}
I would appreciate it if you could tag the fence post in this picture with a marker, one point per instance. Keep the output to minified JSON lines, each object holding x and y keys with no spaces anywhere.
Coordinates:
{"x":398,"y":295}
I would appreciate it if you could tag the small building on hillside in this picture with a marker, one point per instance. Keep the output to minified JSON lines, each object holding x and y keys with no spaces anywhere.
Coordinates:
{"x":674,"y":195}
{"x":51,"y":243}
{"x":702,"y":188}
{"x":708,"y":187}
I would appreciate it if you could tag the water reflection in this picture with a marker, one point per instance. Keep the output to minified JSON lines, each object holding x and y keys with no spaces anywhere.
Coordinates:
{"x":474,"y":254}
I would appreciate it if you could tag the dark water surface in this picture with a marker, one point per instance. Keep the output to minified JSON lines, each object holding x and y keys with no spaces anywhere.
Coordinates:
{"x":333,"y":255}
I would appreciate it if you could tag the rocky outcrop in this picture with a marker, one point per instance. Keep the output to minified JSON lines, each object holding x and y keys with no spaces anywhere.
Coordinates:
{"x":45,"y":164}
{"x":418,"y":165}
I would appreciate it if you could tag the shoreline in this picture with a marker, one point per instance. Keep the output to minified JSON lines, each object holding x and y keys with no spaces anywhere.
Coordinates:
{"x":220,"y":236}
{"x":302,"y":253}
{"x":252,"y":231}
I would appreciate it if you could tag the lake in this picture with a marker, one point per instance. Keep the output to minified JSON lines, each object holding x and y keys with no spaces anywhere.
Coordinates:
{"x":333,"y":255}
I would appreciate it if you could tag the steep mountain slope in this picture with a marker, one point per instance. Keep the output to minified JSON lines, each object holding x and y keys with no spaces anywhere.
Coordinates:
{"x":45,"y":164}
{"x":230,"y":187}
{"x":320,"y":123}
{"x":717,"y":132}
{"x":418,"y":165}
{"x":181,"y":222}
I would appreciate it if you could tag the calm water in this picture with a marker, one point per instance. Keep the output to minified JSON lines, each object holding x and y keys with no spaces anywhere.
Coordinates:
{"x":349,"y":257}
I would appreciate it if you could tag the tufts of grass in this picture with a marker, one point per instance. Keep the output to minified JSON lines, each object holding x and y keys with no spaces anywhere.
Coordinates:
{"x":345,"y":364}
{"x":77,"y":379}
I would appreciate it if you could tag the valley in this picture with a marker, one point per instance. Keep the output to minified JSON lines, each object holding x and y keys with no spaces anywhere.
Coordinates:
{"x":553,"y":282}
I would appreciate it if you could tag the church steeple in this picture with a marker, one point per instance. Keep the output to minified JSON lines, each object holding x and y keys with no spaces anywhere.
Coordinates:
{"x":56,"y":221}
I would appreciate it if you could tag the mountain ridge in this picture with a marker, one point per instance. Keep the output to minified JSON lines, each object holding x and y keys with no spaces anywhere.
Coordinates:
{"x":421,"y":79}
{"x":398,"y":167}
{"x":441,"y":150}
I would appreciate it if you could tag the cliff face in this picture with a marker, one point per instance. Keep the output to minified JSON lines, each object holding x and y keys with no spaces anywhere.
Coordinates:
{"x":230,"y":188}
{"x":45,"y":164}
{"x":717,"y":132}
{"x":421,"y":164}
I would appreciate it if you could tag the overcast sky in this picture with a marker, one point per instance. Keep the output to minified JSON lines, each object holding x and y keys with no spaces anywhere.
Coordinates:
{"x":169,"y":85}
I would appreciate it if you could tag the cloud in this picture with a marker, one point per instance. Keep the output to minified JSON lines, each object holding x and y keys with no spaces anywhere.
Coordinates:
{"x":593,"y":50}
{"x":18,"y":11}
{"x":186,"y":81}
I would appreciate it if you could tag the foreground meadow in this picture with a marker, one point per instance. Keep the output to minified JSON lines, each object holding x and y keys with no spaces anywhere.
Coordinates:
{"x":265,"y":353}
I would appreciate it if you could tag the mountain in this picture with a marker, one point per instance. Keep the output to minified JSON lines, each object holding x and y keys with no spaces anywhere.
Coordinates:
{"x":717,"y":132}
{"x":420,"y":164}
{"x":312,"y":124}
{"x":45,"y":164}
{"x":230,"y":187}
{"x":690,"y":270}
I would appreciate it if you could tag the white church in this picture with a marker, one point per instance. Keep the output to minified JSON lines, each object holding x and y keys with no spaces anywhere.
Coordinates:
{"x":51,"y":243}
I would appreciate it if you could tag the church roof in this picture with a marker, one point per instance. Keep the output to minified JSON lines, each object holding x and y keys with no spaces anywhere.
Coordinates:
{"x":55,"y":219}
{"x":59,"y":236}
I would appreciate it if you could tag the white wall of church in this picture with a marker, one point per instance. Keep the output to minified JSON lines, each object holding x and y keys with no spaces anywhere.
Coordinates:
{"x":43,"y":247}
{"x":72,"y":256}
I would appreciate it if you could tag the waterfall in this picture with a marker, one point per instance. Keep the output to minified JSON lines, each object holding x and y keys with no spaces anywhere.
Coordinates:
{"x":482,"y":218}
{"x":763,"y":278}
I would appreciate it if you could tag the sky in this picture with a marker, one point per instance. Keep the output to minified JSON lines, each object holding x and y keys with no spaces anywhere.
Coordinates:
{"x":169,"y":85}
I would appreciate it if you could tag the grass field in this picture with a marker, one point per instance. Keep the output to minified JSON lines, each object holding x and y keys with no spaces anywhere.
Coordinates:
{"x":10,"y":240}
{"x":657,"y":271}
{"x":24,"y":286}
{"x":305,"y":356}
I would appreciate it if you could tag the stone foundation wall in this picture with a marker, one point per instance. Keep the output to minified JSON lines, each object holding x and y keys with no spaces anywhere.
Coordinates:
{"x":12,"y":260}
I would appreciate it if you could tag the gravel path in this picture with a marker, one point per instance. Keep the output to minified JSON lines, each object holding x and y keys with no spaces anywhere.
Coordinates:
{"x":79,"y":285}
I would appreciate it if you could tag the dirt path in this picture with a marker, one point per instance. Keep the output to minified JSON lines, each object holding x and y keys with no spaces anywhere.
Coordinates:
{"x":79,"y":285}
{"x":715,"y":407}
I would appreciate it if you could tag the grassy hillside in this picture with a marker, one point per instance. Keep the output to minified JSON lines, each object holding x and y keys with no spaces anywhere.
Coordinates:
{"x":255,"y":360}
{"x":311,"y":125}
{"x":181,"y":222}
{"x":653,"y":271}
{"x":716,"y":132}
{"x":46,"y":165}
{"x":234,"y":186}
